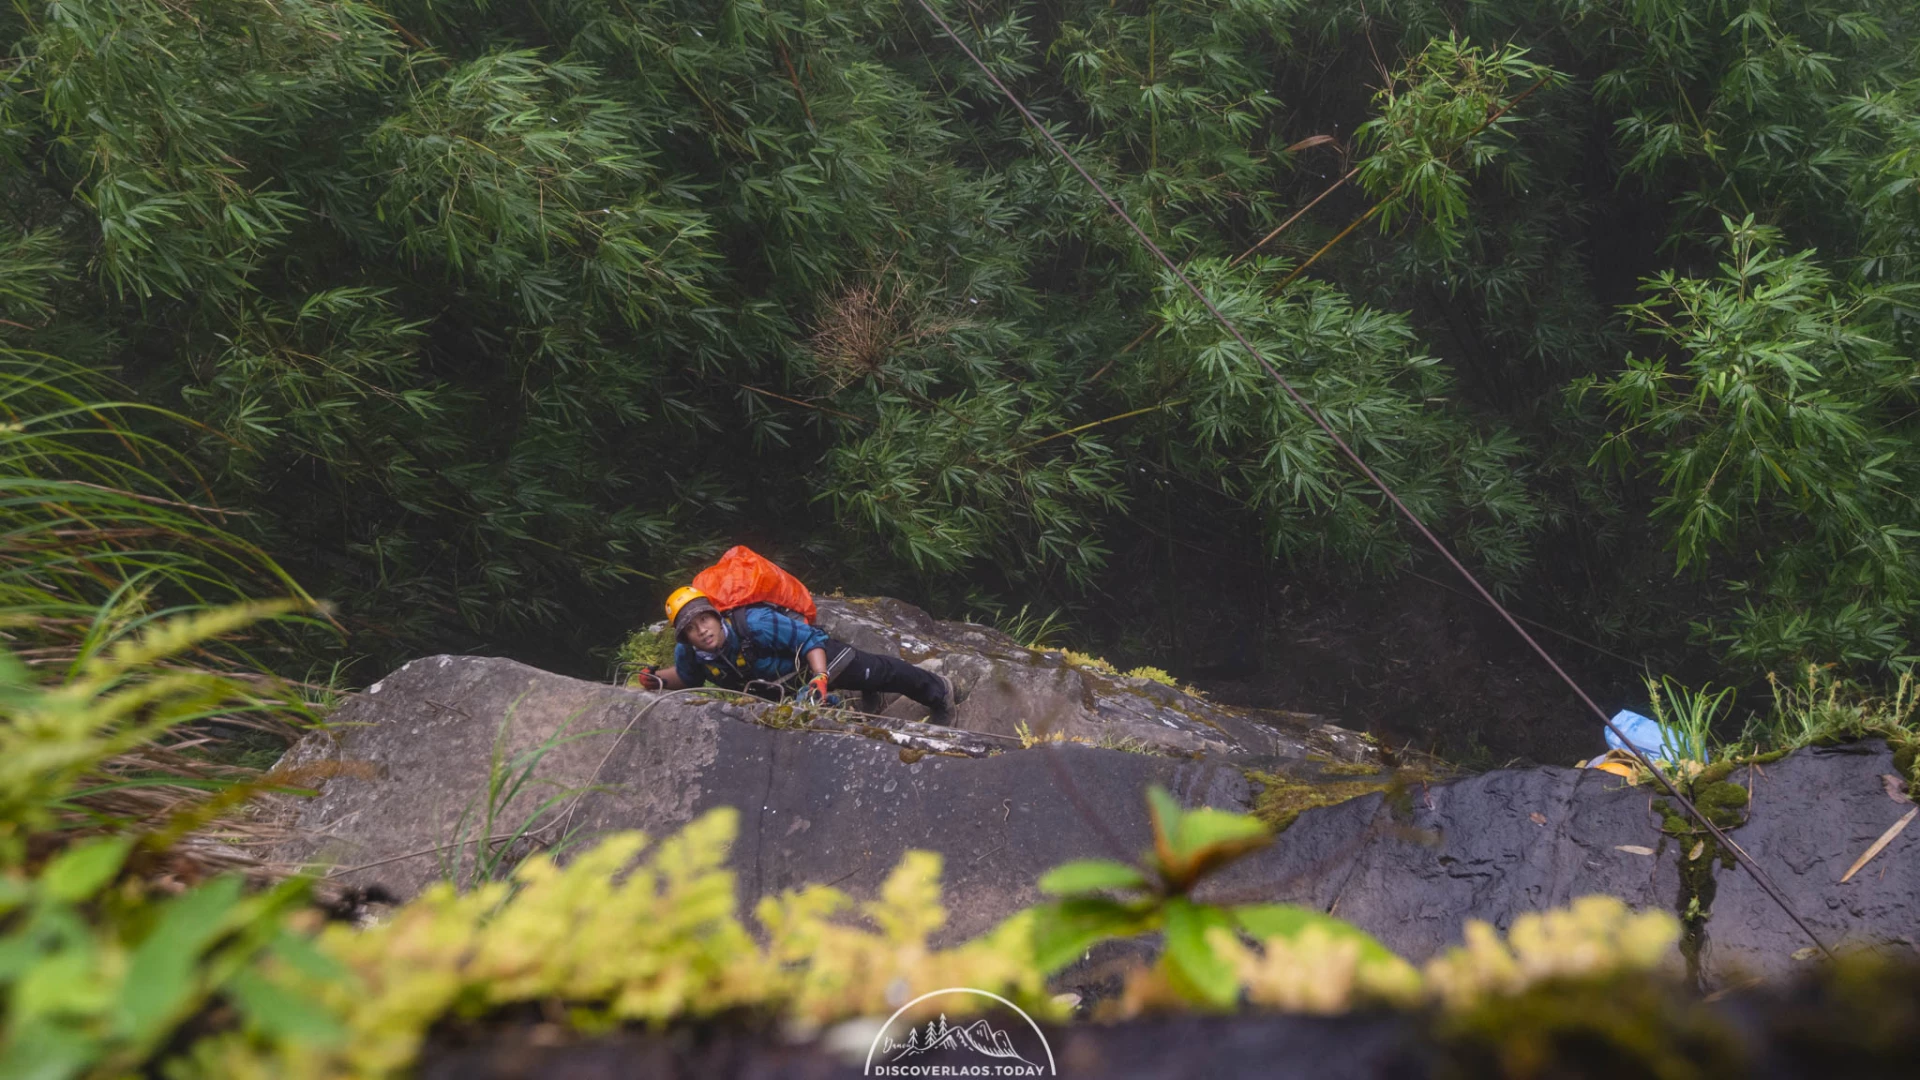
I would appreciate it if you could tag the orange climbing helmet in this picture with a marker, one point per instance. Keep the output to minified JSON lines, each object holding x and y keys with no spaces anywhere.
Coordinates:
{"x":681,"y":597}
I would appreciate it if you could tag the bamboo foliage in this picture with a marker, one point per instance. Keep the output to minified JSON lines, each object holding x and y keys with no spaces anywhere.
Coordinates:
{"x":491,"y":317}
{"x":99,"y":531}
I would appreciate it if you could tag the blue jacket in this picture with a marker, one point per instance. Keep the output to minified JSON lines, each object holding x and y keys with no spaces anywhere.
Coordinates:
{"x":776,"y":645}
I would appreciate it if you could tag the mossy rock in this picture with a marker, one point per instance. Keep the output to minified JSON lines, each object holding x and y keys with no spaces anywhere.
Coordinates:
{"x":1154,"y":674}
{"x":1089,"y":662}
{"x":1283,"y":798}
{"x":1724,"y":803}
{"x":1716,"y":772}
{"x":1673,"y":820}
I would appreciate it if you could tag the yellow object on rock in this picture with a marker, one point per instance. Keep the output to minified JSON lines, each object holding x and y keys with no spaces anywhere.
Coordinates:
{"x":1618,"y":762}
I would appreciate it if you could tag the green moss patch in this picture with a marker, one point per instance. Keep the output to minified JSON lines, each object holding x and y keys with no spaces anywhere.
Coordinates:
{"x":1716,"y":772}
{"x":1724,"y":803}
{"x":1282,"y":798}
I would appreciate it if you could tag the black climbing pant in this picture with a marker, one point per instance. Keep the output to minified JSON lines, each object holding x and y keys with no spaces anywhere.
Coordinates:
{"x":873,"y":673}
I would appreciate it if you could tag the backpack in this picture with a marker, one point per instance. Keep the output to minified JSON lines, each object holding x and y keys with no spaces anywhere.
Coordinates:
{"x":743,"y":577}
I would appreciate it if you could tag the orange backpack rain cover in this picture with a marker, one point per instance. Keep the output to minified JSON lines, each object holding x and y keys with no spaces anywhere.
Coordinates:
{"x":742,"y":576}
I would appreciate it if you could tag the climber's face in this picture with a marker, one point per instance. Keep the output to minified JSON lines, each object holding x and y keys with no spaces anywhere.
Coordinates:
{"x":706,"y":633}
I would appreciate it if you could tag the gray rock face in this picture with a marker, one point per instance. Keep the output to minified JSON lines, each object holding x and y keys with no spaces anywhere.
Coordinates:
{"x":1496,"y":845}
{"x":1814,"y":813}
{"x":1488,"y":847}
{"x":1003,"y":684}
{"x":815,"y":806}
{"x":842,"y":806}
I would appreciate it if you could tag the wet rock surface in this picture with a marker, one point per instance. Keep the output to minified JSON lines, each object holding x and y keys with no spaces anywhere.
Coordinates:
{"x":841,"y":806}
{"x":836,"y":807}
{"x":1412,"y":868}
{"x":1003,"y":685}
{"x":1493,"y":846}
{"x":1813,"y":813}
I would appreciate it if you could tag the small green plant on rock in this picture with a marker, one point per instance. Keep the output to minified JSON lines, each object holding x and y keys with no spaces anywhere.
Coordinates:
{"x":1825,"y":708}
{"x":1725,"y":804}
{"x":483,"y":848}
{"x":1124,"y":744}
{"x":1029,"y":740}
{"x":1164,"y":678}
{"x":1034,"y":630}
{"x":1102,"y":899}
{"x":791,"y":714}
{"x":1089,"y":662}
{"x":1105,"y":741}
{"x":1687,"y":716}
{"x":1103,"y":666}
{"x":1154,"y":674}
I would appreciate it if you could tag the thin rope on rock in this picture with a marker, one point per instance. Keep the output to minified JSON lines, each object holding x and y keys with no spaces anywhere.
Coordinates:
{"x":1760,"y":876}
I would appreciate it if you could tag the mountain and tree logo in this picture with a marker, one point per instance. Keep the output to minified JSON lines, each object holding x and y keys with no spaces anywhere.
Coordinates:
{"x":980,"y":1037}
{"x":975,"y":1048}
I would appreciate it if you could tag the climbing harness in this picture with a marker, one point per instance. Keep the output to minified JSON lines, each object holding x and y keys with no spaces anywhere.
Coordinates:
{"x":736,"y":674}
{"x":1760,"y":876}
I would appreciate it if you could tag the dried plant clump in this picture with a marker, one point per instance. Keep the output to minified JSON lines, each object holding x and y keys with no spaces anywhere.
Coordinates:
{"x":862,"y":328}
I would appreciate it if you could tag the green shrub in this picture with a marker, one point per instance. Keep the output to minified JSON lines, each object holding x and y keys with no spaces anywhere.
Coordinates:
{"x":1155,"y":896}
{"x":100,"y":976}
{"x":650,"y":646}
{"x":101,"y":972}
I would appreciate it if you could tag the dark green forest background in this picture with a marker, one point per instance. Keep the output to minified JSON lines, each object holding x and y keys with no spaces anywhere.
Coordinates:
{"x":491,"y":321}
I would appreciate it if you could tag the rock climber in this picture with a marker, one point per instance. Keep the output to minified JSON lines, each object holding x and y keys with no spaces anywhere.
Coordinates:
{"x":758,"y":648}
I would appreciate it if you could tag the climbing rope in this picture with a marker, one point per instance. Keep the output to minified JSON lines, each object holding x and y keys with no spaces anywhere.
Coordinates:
{"x":1760,"y":876}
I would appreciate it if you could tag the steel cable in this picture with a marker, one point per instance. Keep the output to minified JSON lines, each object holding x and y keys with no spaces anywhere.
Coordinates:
{"x":1760,"y":876}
